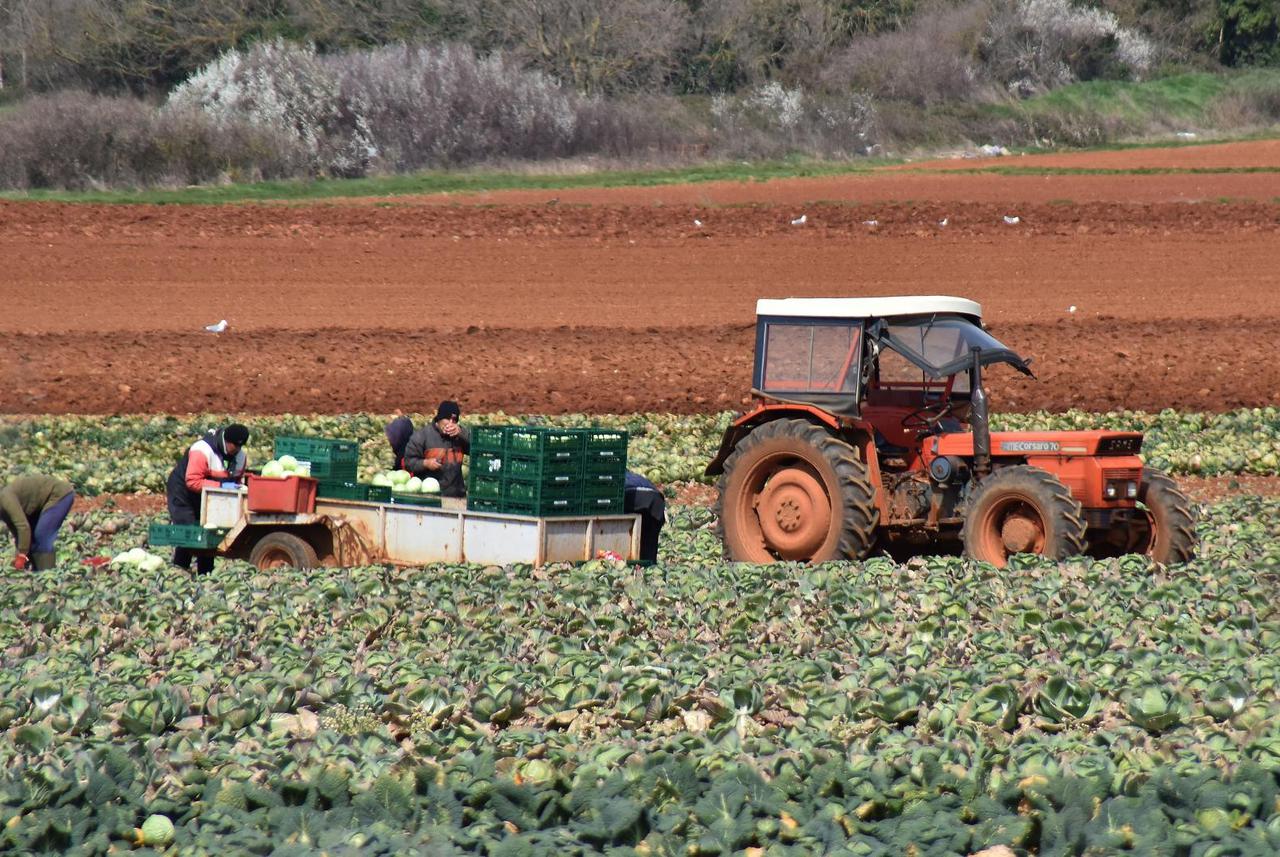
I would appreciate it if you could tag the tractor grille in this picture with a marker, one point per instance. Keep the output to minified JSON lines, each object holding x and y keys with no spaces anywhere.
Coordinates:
{"x":1118,"y":474}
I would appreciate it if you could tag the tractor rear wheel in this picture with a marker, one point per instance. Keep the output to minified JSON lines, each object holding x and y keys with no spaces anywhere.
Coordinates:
{"x":1023,"y":509}
{"x":1168,"y":533}
{"x":283,"y":550}
{"x":791,"y":491}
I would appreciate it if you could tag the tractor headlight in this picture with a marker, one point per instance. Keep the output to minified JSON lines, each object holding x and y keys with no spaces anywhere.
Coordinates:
{"x":1111,"y":490}
{"x":1131,"y":490}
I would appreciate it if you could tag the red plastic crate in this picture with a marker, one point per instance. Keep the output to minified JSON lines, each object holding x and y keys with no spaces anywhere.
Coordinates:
{"x":288,"y":495}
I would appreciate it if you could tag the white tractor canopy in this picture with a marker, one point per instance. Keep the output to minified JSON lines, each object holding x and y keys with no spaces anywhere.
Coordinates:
{"x":852,"y":308}
{"x":823,"y":351}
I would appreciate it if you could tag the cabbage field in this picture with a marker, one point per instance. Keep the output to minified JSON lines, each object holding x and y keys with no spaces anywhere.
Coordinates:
{"x":135,"y":453}
{"x":935,"y":707}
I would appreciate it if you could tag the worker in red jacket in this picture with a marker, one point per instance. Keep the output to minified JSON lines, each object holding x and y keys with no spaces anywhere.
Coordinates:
{"x":436,"y":450}
{"x":216,"y":459}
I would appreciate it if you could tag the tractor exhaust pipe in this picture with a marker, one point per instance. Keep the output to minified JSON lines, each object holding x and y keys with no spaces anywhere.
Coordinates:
{"x":978,"y":421}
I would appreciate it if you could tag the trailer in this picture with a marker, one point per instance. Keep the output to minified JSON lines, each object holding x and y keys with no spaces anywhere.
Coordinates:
{"x":340,"y":532}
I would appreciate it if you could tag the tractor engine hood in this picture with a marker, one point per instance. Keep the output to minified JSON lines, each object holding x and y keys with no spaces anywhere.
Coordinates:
{"x":1034,"y":444}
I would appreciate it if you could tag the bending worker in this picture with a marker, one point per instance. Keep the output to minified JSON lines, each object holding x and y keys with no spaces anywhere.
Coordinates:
{"x":642,"y":497}
{"x":216,"y":459}
{"x":33,"y":507}
{"x":437,"y":449}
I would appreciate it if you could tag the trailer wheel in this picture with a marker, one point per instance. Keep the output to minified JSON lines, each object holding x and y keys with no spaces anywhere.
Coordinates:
{"x":1168,"y":533}
{"x":283,"y":550}
{"x":791,"y":491}
{"x":1023,"y":509}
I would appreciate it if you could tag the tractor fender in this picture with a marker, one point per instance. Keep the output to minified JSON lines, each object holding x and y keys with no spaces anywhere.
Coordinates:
{"x":857,"y":433}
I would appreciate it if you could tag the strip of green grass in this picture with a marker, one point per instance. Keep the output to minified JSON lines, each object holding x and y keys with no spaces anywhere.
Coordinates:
{"x":437,"y":182}
{"x":1183,"y":96}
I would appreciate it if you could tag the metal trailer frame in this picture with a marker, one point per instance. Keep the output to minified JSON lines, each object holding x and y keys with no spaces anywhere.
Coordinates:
{"x":364,"y":532}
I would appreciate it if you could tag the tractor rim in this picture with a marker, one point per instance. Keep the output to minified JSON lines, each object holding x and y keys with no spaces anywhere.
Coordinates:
{"x":275,"y":557}
{"x":1147,"y":545}
{"x":1012,"y":525}
{"x":787,"y":509}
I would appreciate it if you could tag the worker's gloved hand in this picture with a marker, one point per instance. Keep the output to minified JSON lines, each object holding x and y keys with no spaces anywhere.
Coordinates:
{"x":20,"y":561}
{"x":230,"y":484}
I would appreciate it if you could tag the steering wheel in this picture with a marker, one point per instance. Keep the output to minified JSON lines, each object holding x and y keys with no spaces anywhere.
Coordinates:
{"x":927,"y":416}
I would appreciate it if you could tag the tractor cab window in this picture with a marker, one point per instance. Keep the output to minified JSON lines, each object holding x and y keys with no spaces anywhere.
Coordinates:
{"x":895,"y":372}
{"x":807,"y":358}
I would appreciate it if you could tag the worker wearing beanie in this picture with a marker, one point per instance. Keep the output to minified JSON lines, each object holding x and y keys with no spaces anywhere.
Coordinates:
{"x":213,"y":460}
{"x":33,"y":507}
{"x":436,"y":450}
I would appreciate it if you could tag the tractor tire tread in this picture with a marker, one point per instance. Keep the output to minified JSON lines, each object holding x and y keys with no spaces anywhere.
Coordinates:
{"x":1182,"y":518}
{"x":861,"y":518}
{"x":1071,"y":535}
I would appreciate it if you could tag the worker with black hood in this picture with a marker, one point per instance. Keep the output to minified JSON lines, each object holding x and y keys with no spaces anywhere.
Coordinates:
{"x":399,"y":430}
{"x":216,"y":459}
{"x":437,"y":449}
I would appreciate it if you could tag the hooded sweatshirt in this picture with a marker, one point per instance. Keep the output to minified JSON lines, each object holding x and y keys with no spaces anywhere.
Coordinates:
{"x":22,"y":501}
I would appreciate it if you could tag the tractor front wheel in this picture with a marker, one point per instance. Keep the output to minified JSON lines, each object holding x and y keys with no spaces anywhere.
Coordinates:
{"x":1167,"y":533}
{"x":791,"y":491}
{"x":1023,"y":509}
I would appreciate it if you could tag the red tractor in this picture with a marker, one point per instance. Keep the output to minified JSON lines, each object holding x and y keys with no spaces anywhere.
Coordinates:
{"x":871,"y":429}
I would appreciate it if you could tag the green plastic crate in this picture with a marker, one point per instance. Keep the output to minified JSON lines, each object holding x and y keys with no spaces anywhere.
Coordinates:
{"x":538,"y":441}
{"x":602,"y":505}
{"x":415,"y":499}
{"x":539,"y":492}
{"x":481,"y":504}
{"x":488,"y":439}
{"x":547,"y":507}
{"x":185,"y":536}
{"x":605,"y":451}
{"x":603,"y":484}
{"x":485,"y":463}
{"x":331,"y":459}
{"x":561,"y":465}
{"x":597,"y":438}
{"x":485,"y":487}
{"x":354,"y":491}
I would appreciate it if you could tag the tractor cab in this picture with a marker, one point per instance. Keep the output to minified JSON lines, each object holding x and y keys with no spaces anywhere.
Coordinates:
{"x":905,"y":365}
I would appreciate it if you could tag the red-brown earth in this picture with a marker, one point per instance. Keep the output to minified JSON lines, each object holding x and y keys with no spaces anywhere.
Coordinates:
{"x":616,"y":300}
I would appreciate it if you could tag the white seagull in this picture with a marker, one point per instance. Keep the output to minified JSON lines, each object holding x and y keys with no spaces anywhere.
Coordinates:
{"x":1011,"y":220}
{"x":800,"y":221}
{"x":216,"y":328}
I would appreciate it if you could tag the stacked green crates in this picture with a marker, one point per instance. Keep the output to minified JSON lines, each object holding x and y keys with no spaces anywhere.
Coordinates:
{"x":334,"y":462}
{"x":331,"y":459}
{"x":604,"y":471}
{"x":542,"y":471}
{"x":484,"y":471}
{"x":546,"y":472}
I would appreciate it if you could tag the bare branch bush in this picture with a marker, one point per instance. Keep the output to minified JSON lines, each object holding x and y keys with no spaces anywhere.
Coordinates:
{"x":73,"y":140}
{"x":932,"y":60}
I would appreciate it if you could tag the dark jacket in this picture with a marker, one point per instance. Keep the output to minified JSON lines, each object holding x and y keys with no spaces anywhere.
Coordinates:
{"x":22,"y":501}
{"x":399,"y":430}
{"x":427,"y":442}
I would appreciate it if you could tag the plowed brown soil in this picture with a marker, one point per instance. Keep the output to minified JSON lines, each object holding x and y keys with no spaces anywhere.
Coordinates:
{"x":616,"y":300}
